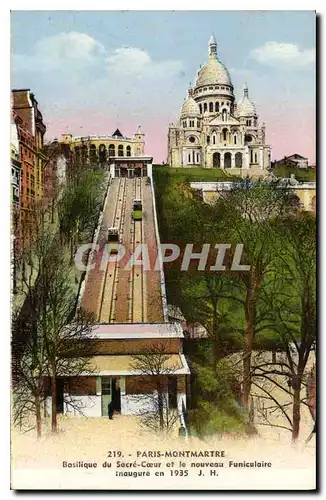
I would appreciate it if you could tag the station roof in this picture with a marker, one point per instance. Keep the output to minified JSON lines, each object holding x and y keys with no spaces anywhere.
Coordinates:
{"x":117,"y":133}
{"x":106,"y":365}
{"x":116,"y":331}
{"x":131,"y":159}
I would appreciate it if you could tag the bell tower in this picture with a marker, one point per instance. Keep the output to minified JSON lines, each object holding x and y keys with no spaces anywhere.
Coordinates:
{"x":140,"y":142}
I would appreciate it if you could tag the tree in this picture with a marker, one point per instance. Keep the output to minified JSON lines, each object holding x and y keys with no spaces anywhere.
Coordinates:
{"x":28,"y":370}
{"x":48,"y":337}
{"x":79,"y":207}
{"x":154,"y":365}
{"x":63,"y":331}
{"x":294,"y":301}
{"x":253,"y":210}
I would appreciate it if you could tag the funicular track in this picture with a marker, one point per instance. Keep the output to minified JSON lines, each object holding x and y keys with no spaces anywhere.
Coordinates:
{"x":109,"y":295}
{"x":138,"y":309}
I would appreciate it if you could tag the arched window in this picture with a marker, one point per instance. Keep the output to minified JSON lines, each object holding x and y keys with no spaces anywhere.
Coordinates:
{"x":224,"y":134}
{"x":128,"y":151}
{"x":213,"y":138}
{"x":216,"y":107}
{"x":111,"y":150}
{"x":211,"y":108}
{"x":205,"y":106}
{"x":120,"y":150}
{"x":200,"y":109}
{"x":235,"y":139}
{"x":102,"y":153}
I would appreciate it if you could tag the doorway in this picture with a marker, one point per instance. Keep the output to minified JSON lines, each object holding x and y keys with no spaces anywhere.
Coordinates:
{"x":216,"y":160}
{"x":59,"y":394}
{"x":106,"y":395}
{"x":110,"y":393}
{"x":172,"y":390}
{"x":116,"y":395}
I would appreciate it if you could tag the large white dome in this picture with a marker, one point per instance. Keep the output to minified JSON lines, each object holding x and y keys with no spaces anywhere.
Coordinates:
{"x":245,"y":106}
{"x":213,"y":72}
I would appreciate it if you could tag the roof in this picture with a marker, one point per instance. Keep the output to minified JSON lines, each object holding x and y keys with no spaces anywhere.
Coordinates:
{"x":137,"y":331}
{"x":130,"y":159}
{"x":117,"y":133}
{"x":106,"y":365}
{"x":297,"y":156}
{"x":213,"y":71}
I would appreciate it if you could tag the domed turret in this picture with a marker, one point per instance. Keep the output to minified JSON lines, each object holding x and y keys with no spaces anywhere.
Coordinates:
{"x":246,"y":107}
{"x":213,"y":72}
{"x":190,"y":107}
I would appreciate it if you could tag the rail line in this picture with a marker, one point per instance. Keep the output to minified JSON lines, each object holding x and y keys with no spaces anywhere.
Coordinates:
{"x":109,"y":296}
{"x":138,"y":309}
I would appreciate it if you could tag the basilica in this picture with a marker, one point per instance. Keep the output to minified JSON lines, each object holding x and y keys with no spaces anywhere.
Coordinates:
{"x":215,"y":131}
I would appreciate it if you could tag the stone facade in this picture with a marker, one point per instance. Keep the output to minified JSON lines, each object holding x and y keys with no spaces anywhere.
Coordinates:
{"x":98,"y":149}
{"x":214,"y":131}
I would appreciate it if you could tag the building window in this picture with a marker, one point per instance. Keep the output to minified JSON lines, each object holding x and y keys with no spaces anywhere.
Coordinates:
{"x":192,"y":138}
{"x":216,"y":107}
{"x":200,"y":109}
{"x":205,"y":106}
{"x":224,"y":134}
{"x":198,"y":123}
{"x":255,"y":157}
{"x":208,"y":139}
{"x":120,"y":150}
{"x":211,"y":109}
{"x":128,"y":151}
{"x":213,"y":138}
{"x":189,"y":158}
{"x":111,"y":150}
{"x":197,"y":157}
{"x":235,"y":139}
{"x":251,"y":157}
{"x":192,"y":123}
{"x":184,"y":124}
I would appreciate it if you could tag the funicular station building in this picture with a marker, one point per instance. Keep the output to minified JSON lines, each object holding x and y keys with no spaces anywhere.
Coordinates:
{"x":129,"y":302}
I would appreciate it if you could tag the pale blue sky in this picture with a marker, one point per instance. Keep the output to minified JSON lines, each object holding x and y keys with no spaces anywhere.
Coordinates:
{"x":135,"y":67}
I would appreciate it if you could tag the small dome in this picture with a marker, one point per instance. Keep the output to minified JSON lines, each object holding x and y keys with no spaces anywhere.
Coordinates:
{"x":190,"y":107}
{"x":245,"y":106}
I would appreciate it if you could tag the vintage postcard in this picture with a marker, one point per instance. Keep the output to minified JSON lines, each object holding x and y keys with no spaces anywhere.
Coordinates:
{"x":163,"y":250}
